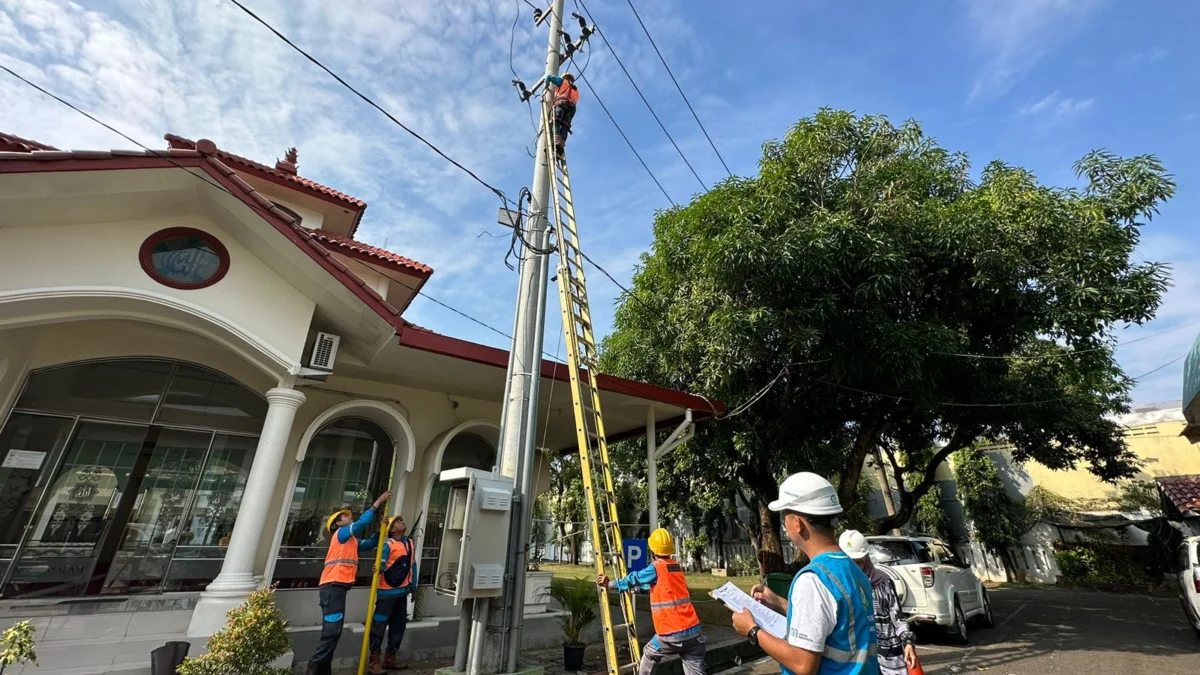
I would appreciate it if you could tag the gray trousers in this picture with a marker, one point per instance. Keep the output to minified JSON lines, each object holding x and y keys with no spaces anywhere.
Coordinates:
{"x":691,"y":653}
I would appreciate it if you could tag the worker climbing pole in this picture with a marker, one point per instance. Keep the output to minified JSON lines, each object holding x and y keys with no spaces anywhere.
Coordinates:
{"x":621,"y":648}
{"x":583,"y":360}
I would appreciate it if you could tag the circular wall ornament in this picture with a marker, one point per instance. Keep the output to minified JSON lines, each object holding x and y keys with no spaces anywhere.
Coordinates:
{"x":184,"y":258}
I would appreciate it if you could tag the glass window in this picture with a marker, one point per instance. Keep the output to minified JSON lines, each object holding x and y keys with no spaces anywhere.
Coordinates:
{"x":924,"y":554}
{"x":159,"y":499}
{"x":57,"y":559}
{"x":202,"y":398}
{"x":184,"y":258}
{"x":892,"y":552}
{"x":346,"y":466}
{"x":464,"y":450}
{"x":128,"y":390}
{"x":204,"y":533}
{"x":31,"y":444}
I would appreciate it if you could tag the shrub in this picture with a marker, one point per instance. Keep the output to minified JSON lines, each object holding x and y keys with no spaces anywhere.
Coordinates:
{"x":578,"y":599}
{"x":254,"y":636}
{"x":18,"y":645}
{"x":1076,"y":564}
{"x":745,"y":567}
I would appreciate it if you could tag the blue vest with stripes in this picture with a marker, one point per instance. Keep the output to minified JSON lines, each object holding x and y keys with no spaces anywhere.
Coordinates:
{"x":850,"y":649}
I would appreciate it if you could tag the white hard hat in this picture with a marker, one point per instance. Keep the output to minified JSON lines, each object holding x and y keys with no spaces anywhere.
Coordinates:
{"x":853,"y":544}
{"x":807,"y":493}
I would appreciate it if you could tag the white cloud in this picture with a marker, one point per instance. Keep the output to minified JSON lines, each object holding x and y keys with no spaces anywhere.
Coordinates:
{"x":1145,"y":58}
{"x":203,"y":69}
{"x":1059,"y":107}
{"x":1014,"y":35}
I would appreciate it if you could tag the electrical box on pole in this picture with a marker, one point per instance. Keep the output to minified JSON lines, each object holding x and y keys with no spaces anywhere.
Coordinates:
{"x":471,"y":563}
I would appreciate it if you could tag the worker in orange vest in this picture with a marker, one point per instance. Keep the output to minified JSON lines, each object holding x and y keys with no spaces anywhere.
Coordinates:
{"x":565,"y":97}
{"x":397,"y":580}
{"x":341,"y":568}
{"x":676,"y":626}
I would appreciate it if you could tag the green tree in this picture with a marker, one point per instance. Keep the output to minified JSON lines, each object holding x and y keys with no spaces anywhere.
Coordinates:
{"x":997,"y":520}
{"x":929,"y":517}
{"x":564,"y":501}
{"x":850,"y":276}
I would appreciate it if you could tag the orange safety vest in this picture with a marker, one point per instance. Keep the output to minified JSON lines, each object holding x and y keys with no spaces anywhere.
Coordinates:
{"x":670,"y":602}
{"x":341,"y":562}
{"x":394,"y":554}
{"x":566,"y":92}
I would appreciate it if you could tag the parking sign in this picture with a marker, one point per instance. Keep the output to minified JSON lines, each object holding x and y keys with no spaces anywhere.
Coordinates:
{"x":637,"y":554}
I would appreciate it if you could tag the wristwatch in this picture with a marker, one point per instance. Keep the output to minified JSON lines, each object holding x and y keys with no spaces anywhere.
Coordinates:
{"x":752,"y":636}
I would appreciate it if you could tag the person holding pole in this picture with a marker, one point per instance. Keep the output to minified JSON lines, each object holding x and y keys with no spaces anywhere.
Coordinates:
{"x":341,"y":568}
{"x":676,"y":625}
{"x":397,"y":580}
{"x":830,"y":617}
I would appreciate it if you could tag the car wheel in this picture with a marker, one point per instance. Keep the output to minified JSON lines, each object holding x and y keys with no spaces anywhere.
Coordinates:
{"x":958,"y":631}
{"x":986,"y":619}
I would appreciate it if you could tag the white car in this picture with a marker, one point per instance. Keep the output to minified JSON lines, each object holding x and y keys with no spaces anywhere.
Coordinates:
{"x":934,"y":585}
{"x":1189,"y":581}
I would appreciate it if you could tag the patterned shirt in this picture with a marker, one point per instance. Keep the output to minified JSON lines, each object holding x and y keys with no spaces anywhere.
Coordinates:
{"x":892,"y":630}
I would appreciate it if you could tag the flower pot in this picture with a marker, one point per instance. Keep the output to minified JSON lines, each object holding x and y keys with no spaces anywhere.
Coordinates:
{"x":573,"y":657}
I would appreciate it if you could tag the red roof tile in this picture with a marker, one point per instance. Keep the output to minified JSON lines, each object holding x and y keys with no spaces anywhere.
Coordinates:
{"x":11,"y":143}
{"x":1183,"y":491}
{"x":371,"y":254}
{"x":290,"y":176}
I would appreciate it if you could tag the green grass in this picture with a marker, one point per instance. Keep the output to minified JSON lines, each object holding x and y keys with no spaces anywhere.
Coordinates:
{"x":710,"y":611}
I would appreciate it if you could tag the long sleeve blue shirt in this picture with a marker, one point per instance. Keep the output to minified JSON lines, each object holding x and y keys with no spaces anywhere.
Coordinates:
{"x":638,"y":582}
{"x":356,"y":529}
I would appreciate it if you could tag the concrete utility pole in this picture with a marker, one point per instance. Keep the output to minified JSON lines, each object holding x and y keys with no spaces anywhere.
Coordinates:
{"x":518,"y":419}
{"x":885,"y":487}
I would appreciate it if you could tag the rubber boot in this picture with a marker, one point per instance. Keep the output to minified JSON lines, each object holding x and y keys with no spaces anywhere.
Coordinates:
{"x":375,"y":665}
{"x":390,"y":662}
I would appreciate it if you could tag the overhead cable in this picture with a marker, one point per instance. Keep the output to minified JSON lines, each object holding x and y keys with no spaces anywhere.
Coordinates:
{"x":679,"y":88}
{"x":643,"y":97}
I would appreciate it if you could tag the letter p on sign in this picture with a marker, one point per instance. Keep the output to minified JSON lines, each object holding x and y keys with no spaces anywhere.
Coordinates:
{"x":637,"y":554}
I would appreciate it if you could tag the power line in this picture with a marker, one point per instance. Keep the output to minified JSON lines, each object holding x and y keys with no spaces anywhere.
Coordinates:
{"x":1074,"y":352}
{"x":499,"y":193}
{"x":583,"y":78}
{"x":679,"y":88}
{"x":643,"y":96}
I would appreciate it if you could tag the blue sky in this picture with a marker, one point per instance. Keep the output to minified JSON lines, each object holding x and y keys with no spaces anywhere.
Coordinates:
{"x":1035,"y":83}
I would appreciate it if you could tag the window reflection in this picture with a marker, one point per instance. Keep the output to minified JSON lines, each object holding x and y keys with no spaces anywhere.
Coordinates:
{"x":346,"y":466}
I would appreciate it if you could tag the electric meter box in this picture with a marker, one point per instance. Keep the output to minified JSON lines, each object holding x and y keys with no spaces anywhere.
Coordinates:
{"x":475,"y":538}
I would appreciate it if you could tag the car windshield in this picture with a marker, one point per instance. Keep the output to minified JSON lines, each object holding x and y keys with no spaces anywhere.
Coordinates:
{"x":892,"y":552}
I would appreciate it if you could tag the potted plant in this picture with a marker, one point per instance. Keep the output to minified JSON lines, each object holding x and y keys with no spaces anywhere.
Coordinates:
{"x":577,"y":598}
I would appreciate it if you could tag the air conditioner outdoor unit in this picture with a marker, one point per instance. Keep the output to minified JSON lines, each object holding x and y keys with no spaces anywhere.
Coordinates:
{"x":324,"y":352}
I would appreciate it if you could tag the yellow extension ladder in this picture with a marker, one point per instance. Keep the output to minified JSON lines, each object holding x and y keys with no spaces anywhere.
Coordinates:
{"x":583,"y":362}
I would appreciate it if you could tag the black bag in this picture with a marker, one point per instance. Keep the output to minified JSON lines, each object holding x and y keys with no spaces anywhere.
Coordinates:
{"x":397,"y":572}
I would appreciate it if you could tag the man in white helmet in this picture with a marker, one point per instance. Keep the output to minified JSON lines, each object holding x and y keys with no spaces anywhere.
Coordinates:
{"x":896,"y":651}
{"x":830,"y":620}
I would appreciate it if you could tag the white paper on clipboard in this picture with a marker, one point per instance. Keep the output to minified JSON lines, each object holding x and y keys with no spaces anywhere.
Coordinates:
{"x":736,"y":600}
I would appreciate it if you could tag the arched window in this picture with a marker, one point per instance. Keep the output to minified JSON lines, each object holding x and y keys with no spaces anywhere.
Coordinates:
{"x":347,"y":464}
{"x":464,"y":450}
{"x":123,"y":476}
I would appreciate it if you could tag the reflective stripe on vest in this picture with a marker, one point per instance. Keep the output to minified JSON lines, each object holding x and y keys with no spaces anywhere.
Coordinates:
{"x":566,"y":92}
{"x":341,"y":562}
{"x":670,"y":602}
{"x":394,"y":554}
{"x":850,"y":652}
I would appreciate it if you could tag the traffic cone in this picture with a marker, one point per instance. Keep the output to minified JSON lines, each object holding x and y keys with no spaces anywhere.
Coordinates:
{"x":916,"y":669}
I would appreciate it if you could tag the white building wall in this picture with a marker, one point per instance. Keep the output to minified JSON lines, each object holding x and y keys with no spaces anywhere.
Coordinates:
{"x":91,"y":255}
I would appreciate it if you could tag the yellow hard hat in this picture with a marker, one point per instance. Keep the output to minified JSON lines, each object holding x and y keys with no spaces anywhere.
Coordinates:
{"x":661,"y":542}
{"x":333,"y":519}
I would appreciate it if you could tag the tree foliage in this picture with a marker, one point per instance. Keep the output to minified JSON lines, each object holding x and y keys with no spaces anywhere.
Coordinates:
{"x":840,"y":287}
{"x":998,"y":521}
{"x":929,"y":517}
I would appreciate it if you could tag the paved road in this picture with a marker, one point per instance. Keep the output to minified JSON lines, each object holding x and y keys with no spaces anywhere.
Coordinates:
{"x":1054,"y":632}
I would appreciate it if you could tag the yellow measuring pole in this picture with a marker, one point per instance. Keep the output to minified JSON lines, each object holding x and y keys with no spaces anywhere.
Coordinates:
{"x":383,"y":533}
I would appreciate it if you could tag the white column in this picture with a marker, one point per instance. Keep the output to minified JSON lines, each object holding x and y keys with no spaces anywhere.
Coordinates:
{"x":652,"y":467}
{"x":236,"y":580}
